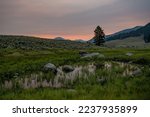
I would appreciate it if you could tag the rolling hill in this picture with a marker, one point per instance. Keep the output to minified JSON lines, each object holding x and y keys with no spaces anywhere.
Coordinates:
{"x":132,"y":32}
{"x":34,"y":43}
{"x":136,"y":32}
{"x":59,"y":38}
{"x":129,"y":42}
{"x":123,"y":32}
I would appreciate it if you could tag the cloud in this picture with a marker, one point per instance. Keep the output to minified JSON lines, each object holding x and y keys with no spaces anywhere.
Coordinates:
{"x":53,"y":7}
{"x":70,"y":17}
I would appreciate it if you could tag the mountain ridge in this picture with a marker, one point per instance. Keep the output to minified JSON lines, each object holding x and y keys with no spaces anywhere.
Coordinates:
{"x":130,"y":32}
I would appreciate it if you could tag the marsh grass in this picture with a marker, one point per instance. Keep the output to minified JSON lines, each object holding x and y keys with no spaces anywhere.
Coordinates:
{"x":107,"y":81}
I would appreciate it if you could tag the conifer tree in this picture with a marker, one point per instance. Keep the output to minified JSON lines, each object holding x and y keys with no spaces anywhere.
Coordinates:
{"x":99,"y":36}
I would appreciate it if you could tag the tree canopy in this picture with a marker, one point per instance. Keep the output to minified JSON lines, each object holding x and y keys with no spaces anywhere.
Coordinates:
{"x":99,"y":36}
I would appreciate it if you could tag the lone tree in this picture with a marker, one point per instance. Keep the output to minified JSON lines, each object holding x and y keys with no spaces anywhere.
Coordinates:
{"x":99,"y":36}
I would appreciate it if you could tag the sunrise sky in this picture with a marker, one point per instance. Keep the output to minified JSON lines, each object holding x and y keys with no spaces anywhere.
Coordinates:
{"x":71,"y":19}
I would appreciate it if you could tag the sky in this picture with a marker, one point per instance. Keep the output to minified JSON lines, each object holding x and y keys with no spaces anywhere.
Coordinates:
{"x":71,"y":19}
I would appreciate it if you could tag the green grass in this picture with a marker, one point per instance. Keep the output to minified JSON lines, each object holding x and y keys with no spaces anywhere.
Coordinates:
{"x":25,"y":62}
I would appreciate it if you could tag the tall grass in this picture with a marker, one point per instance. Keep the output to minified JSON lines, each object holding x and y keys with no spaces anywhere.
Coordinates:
{"x":115,"y":85}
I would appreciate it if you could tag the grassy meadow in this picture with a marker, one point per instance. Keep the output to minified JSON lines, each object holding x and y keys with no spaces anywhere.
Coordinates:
{"x":116,"y":75}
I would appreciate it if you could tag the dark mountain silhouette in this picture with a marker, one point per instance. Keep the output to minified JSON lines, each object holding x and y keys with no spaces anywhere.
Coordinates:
{"x":63,"y":39}
{"x":133,"y":32}
{"x":59,"y":38}
{"x":124,"y":31}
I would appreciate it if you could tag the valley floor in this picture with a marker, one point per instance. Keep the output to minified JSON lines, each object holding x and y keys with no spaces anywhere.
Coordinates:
{"x":113,"y":74}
